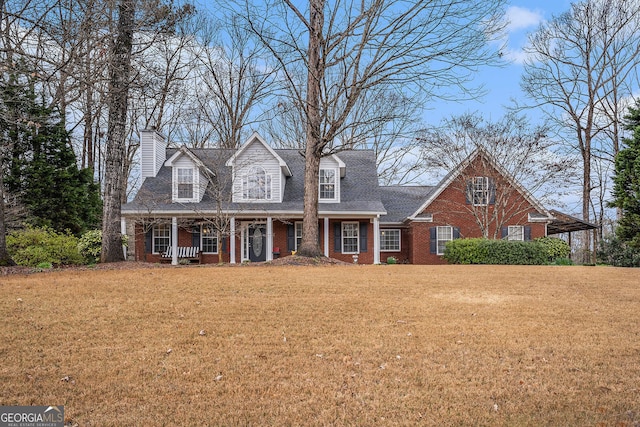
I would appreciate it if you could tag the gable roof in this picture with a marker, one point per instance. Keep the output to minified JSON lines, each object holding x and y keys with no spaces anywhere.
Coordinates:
{"x":360,"y":193}
{"x":184,"y":151}
{"x":455,"y":173}
{"x":251,"y":140}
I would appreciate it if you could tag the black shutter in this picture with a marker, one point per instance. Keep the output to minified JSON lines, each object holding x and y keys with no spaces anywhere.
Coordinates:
{"x":363,"y":236}
{"x":148,"y":241}
{"x":468,"y":194}
{"x":433,"y":240}
{"x":504,"y":232}
{"x":195,"y":236}
{"x":224,"y":242}
{"x":291,"y":237}
{"x":456,"y":233}
{"x":527,"y":232}
{"x":337,"y":237}
{"x":492,"y":191}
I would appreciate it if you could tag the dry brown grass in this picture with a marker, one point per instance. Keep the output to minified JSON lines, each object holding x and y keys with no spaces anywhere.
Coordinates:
{"x":337,"y":345}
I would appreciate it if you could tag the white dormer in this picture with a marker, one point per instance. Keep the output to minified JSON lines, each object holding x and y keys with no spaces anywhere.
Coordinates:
{"x":189,"y":177}
{"x":331,"y":170}
{"x":258,"y":173}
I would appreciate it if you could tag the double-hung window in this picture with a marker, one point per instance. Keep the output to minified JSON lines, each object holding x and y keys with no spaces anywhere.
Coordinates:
{"x":298,"y":235}
{"x":256,"y":184}
{"x":185,"y":183}
{"x":480,"y":188}
{"x":209,"y":238}
{"x":327,"y":184}
{"x":515,"y":232}
{"x":390,"y":240}
{"x":350,"y":237}
{"x":161,"y":238}
{"x":444,"y":235}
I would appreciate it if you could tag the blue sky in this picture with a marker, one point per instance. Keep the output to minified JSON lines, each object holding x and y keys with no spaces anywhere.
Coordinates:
{"x":503,"y":84}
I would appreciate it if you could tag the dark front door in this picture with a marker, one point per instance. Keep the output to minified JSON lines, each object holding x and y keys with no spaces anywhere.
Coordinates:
{"x":257,"y":241}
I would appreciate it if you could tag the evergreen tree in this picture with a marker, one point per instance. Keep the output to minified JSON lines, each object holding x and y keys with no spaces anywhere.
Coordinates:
{"x":626,"y":189}
{"x":42,"y":168}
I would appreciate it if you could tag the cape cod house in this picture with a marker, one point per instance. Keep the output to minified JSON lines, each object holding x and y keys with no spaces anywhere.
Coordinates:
{"x":217,"y":205}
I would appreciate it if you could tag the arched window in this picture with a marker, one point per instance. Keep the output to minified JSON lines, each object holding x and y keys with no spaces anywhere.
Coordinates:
{"x":256,"y":184}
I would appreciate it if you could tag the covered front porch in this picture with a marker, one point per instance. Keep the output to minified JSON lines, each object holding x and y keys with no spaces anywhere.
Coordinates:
{"x":241,"y":239}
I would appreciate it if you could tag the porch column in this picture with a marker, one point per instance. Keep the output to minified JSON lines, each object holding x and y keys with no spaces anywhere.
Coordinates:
{"x":269,"y":238}
{"x":174,"y":241}
{"x":376,"y":240}
{"x":232,"y":241}
{"x":326,"y":236}
{"x":123,"y":231}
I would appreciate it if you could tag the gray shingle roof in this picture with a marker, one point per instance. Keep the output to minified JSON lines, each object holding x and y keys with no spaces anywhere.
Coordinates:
{"x":403,"y":201}
{"x":359,"y":188}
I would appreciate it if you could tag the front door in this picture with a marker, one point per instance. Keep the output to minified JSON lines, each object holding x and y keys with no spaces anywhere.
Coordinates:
{"x":257,"y":242}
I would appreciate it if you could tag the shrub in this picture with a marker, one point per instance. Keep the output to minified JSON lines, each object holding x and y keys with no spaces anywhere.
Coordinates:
{"x":613,"y":251}
{"x":391,"y":260}
{"x":90,"y":245}
{"x":33,"y":246}
{"x":555,"y":248}
{"x":485,"y":251}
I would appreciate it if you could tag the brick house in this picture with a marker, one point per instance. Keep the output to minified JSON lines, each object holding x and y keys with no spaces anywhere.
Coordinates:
{"x":247,"y":205}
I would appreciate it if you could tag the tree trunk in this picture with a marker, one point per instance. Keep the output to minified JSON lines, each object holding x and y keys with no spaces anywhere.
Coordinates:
{"x":115,"y":177}
{"x":586,"y":197}
{"x":313,"y":152}
{"x":5,"y":259}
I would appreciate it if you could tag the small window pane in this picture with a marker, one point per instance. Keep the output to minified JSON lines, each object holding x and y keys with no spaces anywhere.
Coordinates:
{"x":209,"y":238}
{"x":389,"y":240}
{"x":445,"y":234}
{"x":350,"y":237}
{"x":298,"y":235}
{"x":480,"y":190}
{"x":161,"y":238}
{"x":185,"y":183}
{"x":327,"y":183}
{"x":516,"y":232}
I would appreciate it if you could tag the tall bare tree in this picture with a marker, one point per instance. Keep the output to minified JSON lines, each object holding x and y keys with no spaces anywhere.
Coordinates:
{"x":510,"y":147}
{"x":580,"y":70}
{"x":351,"y":48}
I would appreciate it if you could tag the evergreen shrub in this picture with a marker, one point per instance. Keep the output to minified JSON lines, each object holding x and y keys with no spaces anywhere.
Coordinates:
{"x":485,"y":251}
{"x":33,"y":246}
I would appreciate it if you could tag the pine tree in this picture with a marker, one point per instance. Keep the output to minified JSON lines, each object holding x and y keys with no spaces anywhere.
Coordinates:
{"x":42,"y":169}
{"x":626,"y":189}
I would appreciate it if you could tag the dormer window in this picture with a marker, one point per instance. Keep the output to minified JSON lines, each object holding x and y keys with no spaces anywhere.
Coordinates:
{"x":185,"y":183}
{"x":327,"y":184}
{"x":256,"y":184}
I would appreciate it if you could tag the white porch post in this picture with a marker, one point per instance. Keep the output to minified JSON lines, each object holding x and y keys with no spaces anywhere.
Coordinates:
{"x":326,"y":236}
{"x":376,"y":240}
{"x":174,"y":241}
{"x":269,"y":239}
{"x":123,"y":231}
{"x":232,"y":241}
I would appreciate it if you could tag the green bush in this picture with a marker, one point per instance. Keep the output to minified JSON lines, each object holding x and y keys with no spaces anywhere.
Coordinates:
{"x":90,"y":245}
{"x":33,"y":246}
{"x":555,"y":248}
{"x":485,"y":251}
{"x":391,"y":260}
{"x":613,"y":251}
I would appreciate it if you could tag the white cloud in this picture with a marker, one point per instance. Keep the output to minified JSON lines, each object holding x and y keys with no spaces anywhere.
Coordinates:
{"x":520,"y":18}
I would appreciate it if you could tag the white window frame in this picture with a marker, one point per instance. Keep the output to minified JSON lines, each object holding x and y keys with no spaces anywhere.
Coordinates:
{"x":297,"y":234}
{"x":180,"y":177}
{"x":480,"y":191}
{"x":160,"y":231}
{"x":324,"y":184}
{"x":212,"y":234}
{"x":515,"y":233}
{"x":444,"y":234}
{"x":384,"y":239}
{"x":252,"y":188}
{"x":353,"y":233}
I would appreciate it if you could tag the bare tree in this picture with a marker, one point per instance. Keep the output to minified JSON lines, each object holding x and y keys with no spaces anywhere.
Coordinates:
{"x":355,"y":47}
{"x":580,"y":70}
{"x":496,"y":162}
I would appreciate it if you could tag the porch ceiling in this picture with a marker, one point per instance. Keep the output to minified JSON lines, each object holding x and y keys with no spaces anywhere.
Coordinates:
{"x":564,"y":223}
